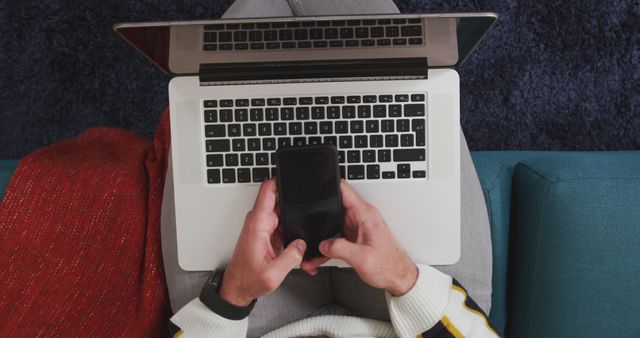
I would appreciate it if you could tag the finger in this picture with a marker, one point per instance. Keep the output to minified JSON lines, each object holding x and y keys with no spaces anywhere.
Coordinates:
{"x":311,"y":266}
{"x":350,"y":197}
{"x":288,"y":259}
{"x":343,"y":249}
{"x":266,"y":200}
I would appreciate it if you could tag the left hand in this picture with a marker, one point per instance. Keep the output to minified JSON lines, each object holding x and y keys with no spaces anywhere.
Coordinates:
{"x":257,"y":268}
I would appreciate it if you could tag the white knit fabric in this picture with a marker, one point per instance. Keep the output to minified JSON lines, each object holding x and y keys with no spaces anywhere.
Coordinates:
{"x":335,"y":326}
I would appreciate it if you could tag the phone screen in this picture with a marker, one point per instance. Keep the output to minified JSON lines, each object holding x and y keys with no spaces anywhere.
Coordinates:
{"x":309,"y":195}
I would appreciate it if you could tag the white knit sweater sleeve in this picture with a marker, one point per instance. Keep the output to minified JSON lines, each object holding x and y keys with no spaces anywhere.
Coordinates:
{"x":196,"y":320}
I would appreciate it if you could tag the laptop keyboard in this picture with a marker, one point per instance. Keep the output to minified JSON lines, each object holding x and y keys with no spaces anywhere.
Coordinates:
{"x":378,"y":137}
{"x":313,"y":34}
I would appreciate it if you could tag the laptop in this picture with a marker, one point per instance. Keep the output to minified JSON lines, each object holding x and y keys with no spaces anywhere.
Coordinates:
{"x":382,"y":88}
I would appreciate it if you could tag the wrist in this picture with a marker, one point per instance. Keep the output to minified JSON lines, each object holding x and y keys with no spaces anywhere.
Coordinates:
{"x":406,"y":280}
{"x":230,"y":292}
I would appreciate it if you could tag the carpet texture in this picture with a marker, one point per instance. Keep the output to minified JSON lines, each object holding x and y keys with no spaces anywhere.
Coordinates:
{"x":552,"y":75}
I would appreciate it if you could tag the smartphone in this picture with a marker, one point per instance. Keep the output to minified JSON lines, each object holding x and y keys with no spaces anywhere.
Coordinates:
{"x":309,"y":196}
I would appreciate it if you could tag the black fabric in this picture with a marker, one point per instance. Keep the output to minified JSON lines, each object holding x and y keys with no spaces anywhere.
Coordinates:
{"x":555,"y":75}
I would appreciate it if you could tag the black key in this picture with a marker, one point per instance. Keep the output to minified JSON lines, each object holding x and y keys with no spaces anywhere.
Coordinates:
{"x":353,"y":156}
{"x":231,"y":160}
{"x":406,"y":140}
{"x":304,"y":44}
{"x":295,"y":128}
{"x":279,"y":129}
{"x":228,"y":176}
{"x":330,"y":33}
{"x":262,"y":159}
{"x":399,"y":21}
{"x":214,"y":27}
{"x":379,"y":110}
{"x":286,"y":35}
{"x":273,"y":45}
{"x":290,"y":101}
{"x":226,"y":46}
{"x":210,"y":104}
{"x":269,"y":143}
{"x":233,"y":26}
{"x":342,"y":127}
{"x":315,"y":34}
{"x":373,"y":171}
{"x":240,"y":36}
{"x":391,"y":141}
{"x":362,"y":32}
{"x":369,"y":22}
{"x":302,"y":113}
{"x":253,"y":144}
{"x":288,"y":45}
{"x":257,"y":114}
{"x":309,"y":24}
{"x":361,"y":141}
{"x":286,"y":113}
{"x":402,"y":98}
{"x":409,"y":155}
{"x":369,"y":99}
{"x":337,"y":99}
{"x":353,"y":22}
{"x":341,"y":156}
{"x":385,"y":98}
{"x":418,"y":126}
{"x":301,"y":34}
{"x":333,"y":112}
{"x":338,"y":23}
{"x":402,"y":125}
{"x":277,"y":24}
{"x":305,"y":100}
{"x":299,"y":141}
{"x":264,"y":129}
{"x":357,"y":127}
{"x":216,"y":130}
{"x":348,"y":112}
{"x":317,"y":113}
{"x":399,"y":42}
{"x":322,"y":100}
{"x":368,"y":42}
{"x":224,"y":36}
{"x":249,"y":129}
{"x":346,"y":33}
{"x":244,"y":175}
{"x":383,"y":42}
{"x":388,"y":174}
{"x":238,"y":144}
{"x":404,"y":167}
{"x":415,"y":41}
{"x":343,"y":173}
{"x":274,"y":172}
{"x":210,"y":47}
{"x":246,"y":160}
{"x":417,"y":97}
{"x":272,"y":114}
{"x":395,"y":110}
{"x":375,"y":141}
{"x":314,"y":141}
{"x":355,"y":172}
{"x":364,"y":112}
{"x":377,"y":32}
{"x":213,"y":176}
{"x":273,"y":101}
{"x":419,"y":174}
{"x":412,"y":109}
{"x":384,"y":21}
{"x":345,"y":142}
{"x":260,"y":174}
{"x":257,"y":45}
{"x":414,"y":30}
{"x":372,"y":126}
{"x":284,"y":142}
{"x":384,"y":155}
{"x":404,"y":174}
{"x":257,"y":102}
{"x":226,"y":103}
{"x":387,"y":126}
{"x":241,"y":115}
{"x":214,"y":160}
{"x":368,"y":156}
{"x":293,"y":24}
{"x":271,"y":35}
{"x":392,"y":31}
{"x":353,"y":99}
{"x":255,"y":36}
{"x":352,"y":43}
{"x":415,"y":20}
{"x":310,"y":128}
{"x":330,"y":140}
{"x":234,"y":130}
{"x":336,"y":43}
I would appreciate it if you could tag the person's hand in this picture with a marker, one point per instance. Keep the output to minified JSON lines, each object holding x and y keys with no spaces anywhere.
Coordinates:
{"x":368,"y":246}
{"x":256,"y":268}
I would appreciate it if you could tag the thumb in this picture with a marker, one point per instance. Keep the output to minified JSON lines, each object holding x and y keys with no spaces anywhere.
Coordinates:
{"x":289,"y":258}
{"x":342,"y":249}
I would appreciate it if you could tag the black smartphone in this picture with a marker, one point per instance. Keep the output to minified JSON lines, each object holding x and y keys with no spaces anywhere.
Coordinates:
{"x":309,"y":196}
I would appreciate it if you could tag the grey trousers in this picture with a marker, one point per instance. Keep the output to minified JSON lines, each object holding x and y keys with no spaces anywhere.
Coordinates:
{"x":335,"y":290}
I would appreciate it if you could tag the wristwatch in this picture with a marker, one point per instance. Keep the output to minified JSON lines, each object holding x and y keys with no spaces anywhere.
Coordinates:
{"x":210,"y":297}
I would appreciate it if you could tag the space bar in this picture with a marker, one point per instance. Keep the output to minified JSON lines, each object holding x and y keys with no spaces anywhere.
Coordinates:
{"x":408,"y":155}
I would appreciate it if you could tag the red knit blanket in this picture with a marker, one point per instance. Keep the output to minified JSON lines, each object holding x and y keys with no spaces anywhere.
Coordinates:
{"x":80,"y":238}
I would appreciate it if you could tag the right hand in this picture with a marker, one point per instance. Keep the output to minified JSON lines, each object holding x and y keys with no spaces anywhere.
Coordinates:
{"x":368,"y":246}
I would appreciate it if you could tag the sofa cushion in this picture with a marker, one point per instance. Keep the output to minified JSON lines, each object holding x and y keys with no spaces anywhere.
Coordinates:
{"x":7,"y":167}
{"x":576,"y":245}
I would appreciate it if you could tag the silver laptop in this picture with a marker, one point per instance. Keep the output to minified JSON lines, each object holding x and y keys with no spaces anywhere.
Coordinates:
{"x":382,"y":88}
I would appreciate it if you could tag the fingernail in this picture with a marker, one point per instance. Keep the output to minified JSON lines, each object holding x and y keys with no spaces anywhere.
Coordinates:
{"x":324,"y":246}
{"x":301,"y":245}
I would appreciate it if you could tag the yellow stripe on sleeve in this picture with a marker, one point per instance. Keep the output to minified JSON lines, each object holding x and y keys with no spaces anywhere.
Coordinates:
{"x":464,"y":304}
{"x":451,"y":328}
{"x":178,"y":334}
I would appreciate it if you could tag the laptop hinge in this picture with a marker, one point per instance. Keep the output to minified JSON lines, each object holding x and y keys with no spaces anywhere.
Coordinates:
{"x":313,"y":71}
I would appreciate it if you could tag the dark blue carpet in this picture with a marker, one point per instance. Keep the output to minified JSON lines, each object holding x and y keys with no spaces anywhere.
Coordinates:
{"x":552,"y":75}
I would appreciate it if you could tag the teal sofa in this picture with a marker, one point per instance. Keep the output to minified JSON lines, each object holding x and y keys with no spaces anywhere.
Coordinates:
{"x":565,"y":228}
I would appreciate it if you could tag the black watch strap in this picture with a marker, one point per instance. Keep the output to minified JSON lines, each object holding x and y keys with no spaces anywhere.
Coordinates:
{"x":210,"y":297}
